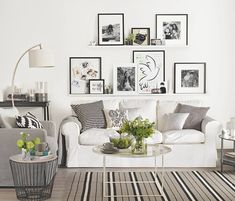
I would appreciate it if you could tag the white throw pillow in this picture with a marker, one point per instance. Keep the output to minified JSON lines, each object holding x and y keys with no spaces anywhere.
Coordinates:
{"x":115,"y":118}
{"x":8,"y":117}
{"x":175,"y":121}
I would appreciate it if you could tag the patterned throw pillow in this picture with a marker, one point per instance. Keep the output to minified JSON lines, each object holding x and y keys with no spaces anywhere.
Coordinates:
{"x":115,"y":118}
{"x":90,"y":115}
{"x":28,"y":121}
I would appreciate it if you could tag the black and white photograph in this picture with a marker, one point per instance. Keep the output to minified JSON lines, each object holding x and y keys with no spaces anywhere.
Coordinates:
{"x":125,"y":79}
{"x":82,"y":69}
{"x":173,"y":28}
{"x":111,"y":29}
{"x":190,"y":77}
{"x":141,"y":36}
{"x":96,"y":86}
{"x":150,"y":69}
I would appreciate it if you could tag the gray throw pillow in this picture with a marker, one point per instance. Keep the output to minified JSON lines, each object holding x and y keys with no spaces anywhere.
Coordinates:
{"x":196,"y":115}
{"x":90,"y":115}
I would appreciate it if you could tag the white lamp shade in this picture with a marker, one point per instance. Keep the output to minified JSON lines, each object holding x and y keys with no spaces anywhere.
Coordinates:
{"x":41,"y":58}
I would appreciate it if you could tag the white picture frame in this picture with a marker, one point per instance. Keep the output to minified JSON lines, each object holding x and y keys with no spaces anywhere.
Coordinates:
{"x":190,"y":78}
{"x":172,"y":28}
{"x":125,"y":79}
{"x":151,"y":69}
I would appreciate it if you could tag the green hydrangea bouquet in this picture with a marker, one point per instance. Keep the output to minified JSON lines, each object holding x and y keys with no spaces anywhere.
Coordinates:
{"x":139,"y":128}
{"x":25,"y":145}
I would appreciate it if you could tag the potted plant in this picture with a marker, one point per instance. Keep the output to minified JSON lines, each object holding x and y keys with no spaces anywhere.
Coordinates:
{"x":130,"y":38}
{"x":26,"y":146}
{"x":140,"y":129}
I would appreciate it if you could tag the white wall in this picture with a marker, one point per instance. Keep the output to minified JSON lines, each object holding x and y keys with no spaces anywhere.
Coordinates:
{"x":67,"y":26}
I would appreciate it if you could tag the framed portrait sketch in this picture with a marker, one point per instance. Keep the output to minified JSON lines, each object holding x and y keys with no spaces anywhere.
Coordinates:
{"x":125,"y":79}
{"x":190,"y":77}
{"x":82,"y":69}
{"x":150,"y":69}
{"x":96,"y":86}
{"x":173,"y":28}
{"x":141,"y":36}
{"x":111,"y":29}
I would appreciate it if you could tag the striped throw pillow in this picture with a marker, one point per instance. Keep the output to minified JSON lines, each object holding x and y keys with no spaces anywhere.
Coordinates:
{"x":90,"y":115}
{"x":28,"y":121}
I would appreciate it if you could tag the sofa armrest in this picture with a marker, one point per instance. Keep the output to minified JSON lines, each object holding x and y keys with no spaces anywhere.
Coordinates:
{"x":71,"y":130}
{"x":50,"y":127}
{"x":211,"y":128}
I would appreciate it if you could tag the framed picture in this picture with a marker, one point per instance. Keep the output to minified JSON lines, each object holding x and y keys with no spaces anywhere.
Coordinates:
{"x":173,"y":28}
{"x":82,"y":69}
{"x":96,"y":86}
{"x":141,"y":36}
{"x":190,"y":77}
{"x":156,"y":41}
{"x":125,"y":79}
{"x":111,"y":29}
{"x":151,"y":69}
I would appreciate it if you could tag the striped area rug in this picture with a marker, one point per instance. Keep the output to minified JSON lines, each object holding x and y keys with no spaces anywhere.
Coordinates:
{"x":178,"y":185}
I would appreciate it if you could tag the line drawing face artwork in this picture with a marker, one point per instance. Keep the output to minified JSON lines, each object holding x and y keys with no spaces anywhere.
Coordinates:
{"x":150,"y":69}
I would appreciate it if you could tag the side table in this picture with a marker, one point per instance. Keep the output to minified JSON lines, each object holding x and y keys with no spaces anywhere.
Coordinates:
{"x":33,"y":179}
{"x":225,"y":158}
{"x":44,"y":105}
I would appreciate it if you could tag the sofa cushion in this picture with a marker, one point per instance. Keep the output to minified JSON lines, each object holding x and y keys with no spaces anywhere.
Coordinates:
{"x":96,"y":136}
{"x":165,"y":107}
{"x":175,"y":121}
{"x":115,"y":118}
{"x":185,"y":136}
{"x":91,"y":115}
{"x":143,"y":108}
{"x":8,"y":117}
{"x":196,"y":115}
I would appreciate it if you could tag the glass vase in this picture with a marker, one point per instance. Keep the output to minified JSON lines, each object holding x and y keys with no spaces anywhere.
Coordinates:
{"x":139,"y":146}
{"x":25,"y":155}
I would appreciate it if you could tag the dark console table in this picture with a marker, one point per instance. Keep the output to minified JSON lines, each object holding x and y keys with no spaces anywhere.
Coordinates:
{"x":44,"y":105}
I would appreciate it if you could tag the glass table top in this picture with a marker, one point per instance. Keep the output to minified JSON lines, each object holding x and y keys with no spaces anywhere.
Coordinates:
{"x":152,"y":151}
{"x":227,"y":137}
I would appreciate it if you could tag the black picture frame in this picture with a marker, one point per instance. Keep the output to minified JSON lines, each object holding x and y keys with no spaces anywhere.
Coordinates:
{"x":100,"y":30}
{"x":138,"y":40}
{"x":159,"y":33}
{"x":200,"y":78}
{"x":77,"y":83}
{"x":156,"y":80}
{"x":96,"y":80}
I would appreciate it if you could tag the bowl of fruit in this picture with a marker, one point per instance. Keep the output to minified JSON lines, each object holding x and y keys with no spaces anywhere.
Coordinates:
{"x":122,"y":142}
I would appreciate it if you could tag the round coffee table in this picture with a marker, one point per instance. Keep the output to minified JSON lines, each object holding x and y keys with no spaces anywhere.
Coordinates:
{"x":153,"y":151}
{"x":33,"y":179}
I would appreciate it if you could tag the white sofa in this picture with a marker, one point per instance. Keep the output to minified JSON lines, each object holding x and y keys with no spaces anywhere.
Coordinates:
{"x":190,"y":148}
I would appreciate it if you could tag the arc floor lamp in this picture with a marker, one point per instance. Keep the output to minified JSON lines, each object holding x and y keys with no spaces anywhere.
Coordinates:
{"x":39,"y":58}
